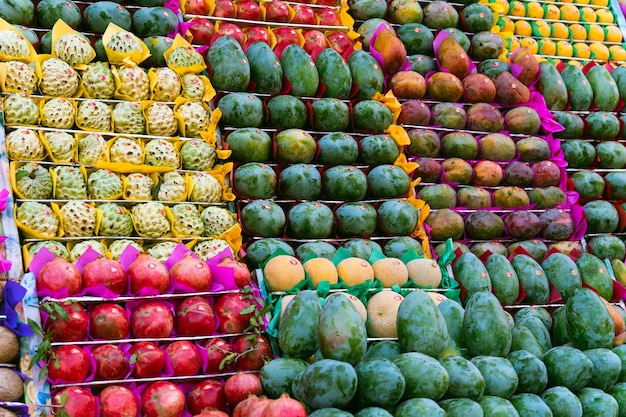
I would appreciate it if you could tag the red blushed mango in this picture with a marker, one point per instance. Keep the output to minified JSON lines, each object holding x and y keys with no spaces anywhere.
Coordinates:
{"x":444,"y":86}
{"x":509,"y":90}
{"x":525,"y":58}
{"x":408,"y":84}
{"x":479,"y":89}
{"x":453,"y":57}
{"x":488,"y":174}
{"x":392,"y":49}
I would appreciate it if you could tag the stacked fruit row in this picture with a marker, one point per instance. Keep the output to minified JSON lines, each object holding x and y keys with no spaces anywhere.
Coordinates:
{"x":578,"y":32}
{"x":185,"y":319}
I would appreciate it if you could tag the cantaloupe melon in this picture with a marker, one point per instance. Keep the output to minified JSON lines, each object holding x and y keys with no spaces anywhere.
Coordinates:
{"x":390,"y":271}
{"x":355,"y":271}
{"x":424,"y":272}
{"x":9,"y":345}
{"x":321,"y":269}
{"x":382,"y":310}
{"x":358,"y":304}
{"x":283,"y":272}
{"x":11,"y":385}
{"x":437,"y":297}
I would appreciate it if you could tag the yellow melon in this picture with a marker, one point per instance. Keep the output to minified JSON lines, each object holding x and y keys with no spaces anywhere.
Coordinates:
{"x":358,"y":305}
{"x":424,"y":272}
{"x":578,"y":32}
{"x":283,"y":272}
{"x":581,"y":50}
{"x":613,"y":34}
{"x":523,"y":28}
{"x":576,"y":63}
{"x":382,"y":311}
{"x":570,"y":12}
{"x":542,"y":29}
{"x":560,"y":30}
{"x":506,"y":24}
{"x":517,"y":8}
{"x":587,"y":14}
{"x":551,"y":12}
{"x":603,"y":3}
{"x":390,"y":271}
{"x":321,"y":269}
{"x":595,"y":33}
{"x":618,"y":54}
{"x":547,"y":47}
{"x":604,"y":16}
{"x":355,"y":271}
{"x":600,"y":51}
{"x":284,"y":302}
{"x":437,"y":297}
{"x":564,"y":49}
{"x":531,"y":44}
{"x":534,"y":9}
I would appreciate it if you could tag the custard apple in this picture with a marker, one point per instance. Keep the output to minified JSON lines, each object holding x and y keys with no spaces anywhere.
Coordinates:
{"x":216,"y":220}
{"x":197,"y":118}
{"x":138,"y":187}
{"x":134,"y":83}
{"x":172,"y":187}
{"x":161,"y":153}
{"x":206,"y":188}
{"x":58,"y":113}
{"x":125,"y":42}
{"x":20,"y":77}
{"x":187,"y":221}
{"x":150,"y":219}
{"x":207,"y":249}
{"x":56,"y":248}
{"x":168,"y":85}
{"x":162,"y":251}
{"x":103,"y":184}
{"x":115,"y":221}
{"x":24,"y":144}
{"x":38,"y":217}
{"x":70,"y":183}
{"x":79,"y":219}
{"x":98,"y":81}
{"x":197,"y":155}
{"x":13,"y":44}
{"x":74,"y":49}
{"x":58,"y":79}
{"x":33,"y":181}
{"x":91,"y":149}
{"x":183,"y":57}
{"x":128,"y":118}
{"x":61,"y":145}
{"x":80,"y":248}
{"x":93,"y":115}
{"x":193,"y":87}
{"x":20,"y":109}
{"x":126,"y":150}
{"x":160,"y":120}
{"x":118,"y":247}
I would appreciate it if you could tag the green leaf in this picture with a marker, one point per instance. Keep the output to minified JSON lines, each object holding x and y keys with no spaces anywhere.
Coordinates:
{"x":64,"y":399}
{"x":157,"y":188}
{"x":250,"y":309}
{"x":60,"y":311}
{"x":57,"y":363}
{"x":254,"y":321}
{"x":133,"y":359}
{"x":228,"y":359}
{"x":21,"y":174}
{"x":36,"y":328}
{"x":43,"y":373}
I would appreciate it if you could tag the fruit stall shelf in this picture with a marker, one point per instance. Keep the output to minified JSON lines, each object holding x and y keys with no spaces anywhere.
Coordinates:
{"x":150,"y":339}
{"x":557,"y":3}
{"x":249,"y":23}
{"x":537,"y":19}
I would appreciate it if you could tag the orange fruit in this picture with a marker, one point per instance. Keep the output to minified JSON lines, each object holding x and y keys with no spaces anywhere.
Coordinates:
{"x":595,"y":33}
{"x":355,"y":271}
{"x":283,"y":272}
{"x":577,"y":32}
{"x":382,"y":312}
{"x":517,"y":9}
{"x":390,"y":271}
{"x":581,"y":50}
{"x":321,"y":269}
{"x":587,"y":14}
{"x":582,"y":1}
{"x":560,"y":30}
{"x":603,"y":3}
{"x":523,"y":28}
{"x":618,"y":54}
{"x":604,"y":16}
{"x":547,"y":47}
{"x":424,"y":272}
{"x":612,"y":34}
{"x":564,"y":49}
{"x":541,"y":29}
{"x":506,"y":24}
{"x":531,"y":44}
{"x":600,"y":51}
{"x":534,"y":9}
{"x":576,"y":63}
{"x":552,"y":12}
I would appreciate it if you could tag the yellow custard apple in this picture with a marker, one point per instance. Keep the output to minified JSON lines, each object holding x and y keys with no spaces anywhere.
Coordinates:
{"x":197,"y":118}
{"x":134,"y":83}
{"x":162,"y":251}
{"x":168,"y":85}
{"x":38,"y":217}
{"x":57,"y":248}
{"x":103,"y":184}
{"x":118,"y":247}
{"x":187,"y":221}
{"x":184,"y":56}
{"x":74,"y":49}
{"x":161,"y":153}
{"x":115,"y":221}
{"x":20,"y":109}
{"x":150,"y":219}
{"x":206,"y":188}
{"x":128,"y":118}
{"x":160,"y":120}
{"x":61,"y":145}
{"x":138,"y":187}
{"x":126,"y":150}
{"x":79,"y":248}
{"x":216,"y":220}
{"x":172,"y":187}
{"x":193,"y":87}
{"x":13,"y":44}
{"x":70,"y":183}
{"x":24,"y":144}
{"x":93,"y":115}
{"x":197,"y":155}
{"x":20,"y":77}
{"x":98,"y":80}
{"x":124,"y":42}
{"x":79,"y":219}
{"x":207,"y":249}
{"x":58,"y":78}
{"x":91,"y":149}
{"x":33,"y":181}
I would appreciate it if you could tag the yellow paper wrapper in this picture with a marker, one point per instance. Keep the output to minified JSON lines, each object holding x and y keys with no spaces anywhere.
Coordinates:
{"x":390,"y":101}
{"x":346,"y":19}
{"x":153,"y":175}
{"x":43,"y":58}
{"x":209,"y":91}
{"x":406,"y":166}
{"x":180,"y":42}
{"x":13,"y":167}
{"x":37,"y":100}
{"x":53,"y":174}
{"x":33,"y":234}
{"x":3,"y":78}
{"x":221,"y":173}
{"x":420,"y":232}
{"x":175,"y":231}
{"x":61,"y":28}
{"x":232,"y":236}
{"x":129,"y":59}
{"x":32,"y":55}
{"x":212,"y":140}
